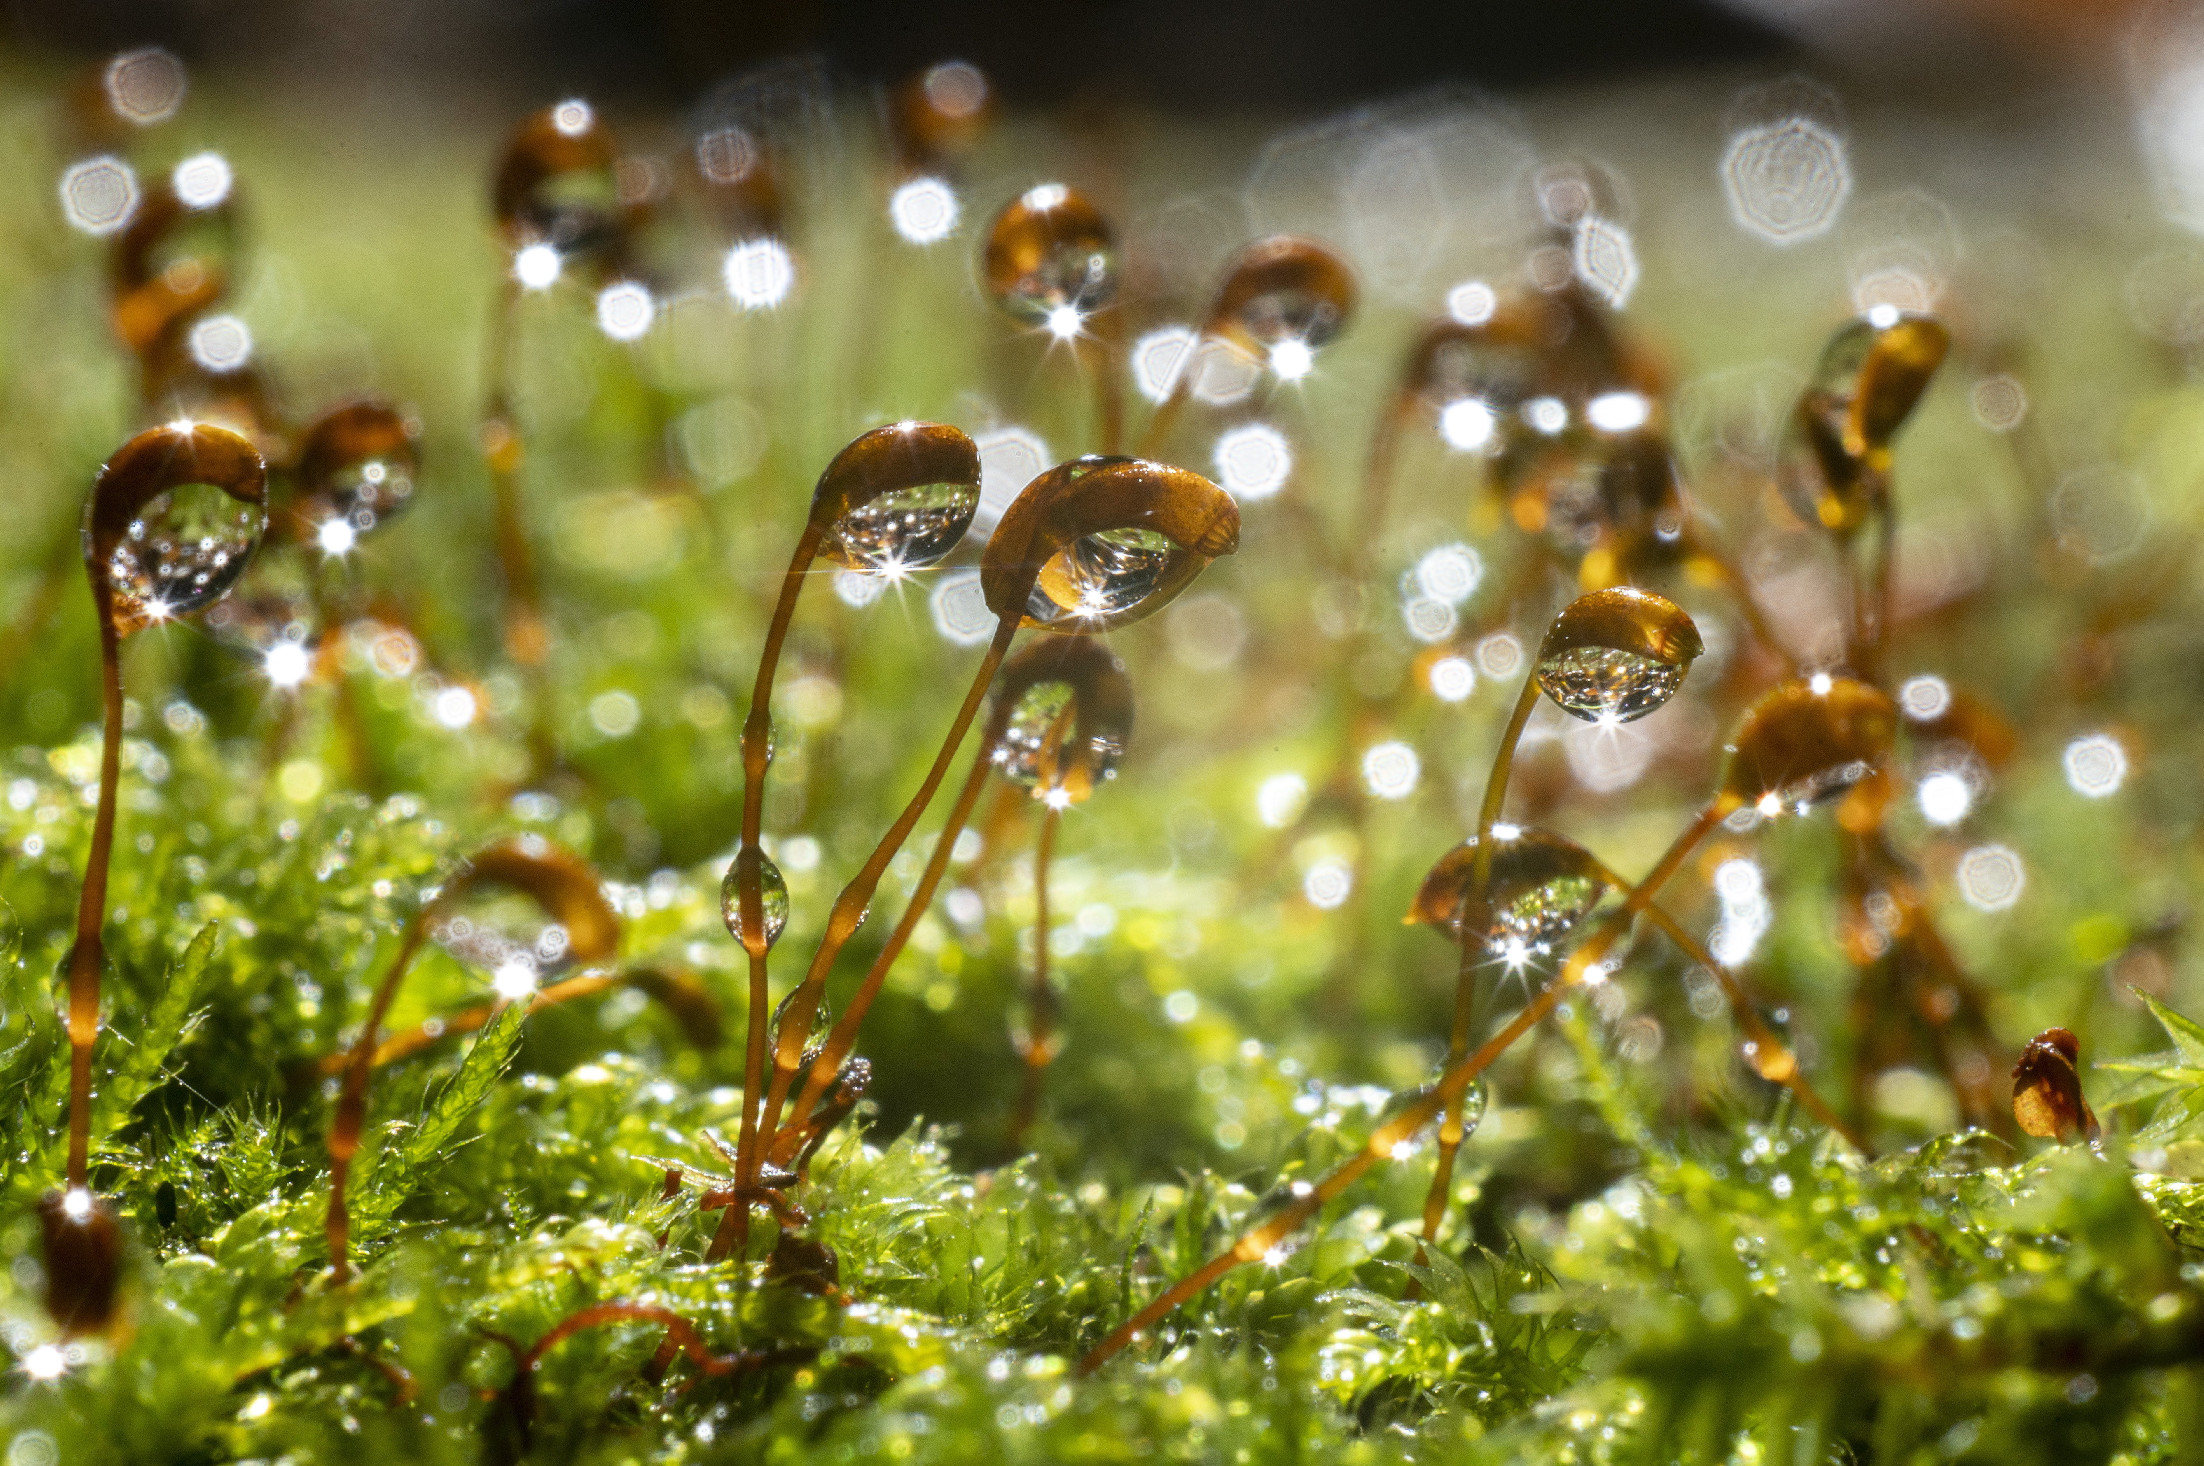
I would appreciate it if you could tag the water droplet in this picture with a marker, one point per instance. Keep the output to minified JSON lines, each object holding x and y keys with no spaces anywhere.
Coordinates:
{"x":1050,"y":250}
{"x":1601,"y":682}
{"x":903,"y":530}
{"x":166,"y":542}
{"x":1541,"y":885}
{"x":773,"y":897}
{"x":82,"y":1252}
{"x":822,"y":1015}
{"x":1067,"y":717}
{"x":1101,"y":575}
{"x":557,"y":186}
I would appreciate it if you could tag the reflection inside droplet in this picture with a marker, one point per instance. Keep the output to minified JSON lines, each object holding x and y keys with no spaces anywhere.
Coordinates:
{"x":903,"y":530}
{"x":1608,"y":684}
{"x":1101,"y":575}
{"x":186,"y":548}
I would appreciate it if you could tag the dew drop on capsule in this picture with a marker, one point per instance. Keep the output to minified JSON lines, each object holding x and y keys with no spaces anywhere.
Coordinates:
{"x":903,"y":530}
{"x":1617,"y":654}
{"x":187,"y":547}
{"x":772,"y":899}
{"x":1540,"y":886}
{"x":1602,"y":682}
{"x":1101,"y":575}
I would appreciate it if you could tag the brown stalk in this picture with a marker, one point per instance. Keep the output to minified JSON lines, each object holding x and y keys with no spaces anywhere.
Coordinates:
{"x":1039,"y":1046}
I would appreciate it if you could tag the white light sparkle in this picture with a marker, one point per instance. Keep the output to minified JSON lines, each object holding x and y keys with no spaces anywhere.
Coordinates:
{"x":1291,"y":359}
{"x":924,"y":210}
{"x":1280,"y":800}
{"x":2096,"y":765}
{"x":1618,"y":412}
{"x":1452,"y":679}
{"x":625,"y":310}
{"x":1390,"y":770}
{"x":454,"y":707}
{"x":1945,"y":799}
{"x":99,"y":195}
{"x":286,"y":665}
{"x":759,"y":274}
{"x":202,"y":180}
{"x":1467,"y":424}
{"x":1253,"y":460}
{"x":537,"y":267}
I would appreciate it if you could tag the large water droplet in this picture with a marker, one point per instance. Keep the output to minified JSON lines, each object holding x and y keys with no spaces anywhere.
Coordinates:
{"x":185,"y":549}
{"x":904,"y":529}
{"x":772,"y":892}
{"x":1599,"y":683}
{"x":1100,"y":576}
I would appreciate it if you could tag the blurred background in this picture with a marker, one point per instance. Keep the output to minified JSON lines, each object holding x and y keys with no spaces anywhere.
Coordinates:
{"x":1233,"y":56}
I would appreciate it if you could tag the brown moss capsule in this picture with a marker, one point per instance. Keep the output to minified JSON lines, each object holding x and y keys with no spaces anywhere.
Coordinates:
{"x":1870,"y":377}
{"x":357,"y":466}
{"x":565,"y":886}
{"x":557,"y":184}
{"x":938,"y":114}
{"x":1050,"y":259}
{"x":1808,"y":740}
{"x":898,"y":498}
{"x":1540,"y":887}
{"x":173,"y":522}
{"x":81,"y":1243}
{"x":2047,"y":1089}
{"x":1101,"y":542}
{"x":1617,"y":654}
{"x":1280,"y":290}
{"x":1063,"y":715}
{"x":171,"y":262}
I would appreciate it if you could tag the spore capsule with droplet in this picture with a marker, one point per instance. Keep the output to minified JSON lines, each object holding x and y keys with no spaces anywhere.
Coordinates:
{"x":1050,"y":250}
{"x":1617,"y":654}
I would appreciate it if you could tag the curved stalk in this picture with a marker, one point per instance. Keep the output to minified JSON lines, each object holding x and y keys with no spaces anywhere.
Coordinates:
{"x":87,"y":953}
{"x":1451,"y":1131}
{"x":1419,"y":1112}
{"x":849,"y":908}
{"x":351,"y":1116}
{"x":1496,"y":782}
{"x":1770,"y":1057}
{"x":1041,"y":1023}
